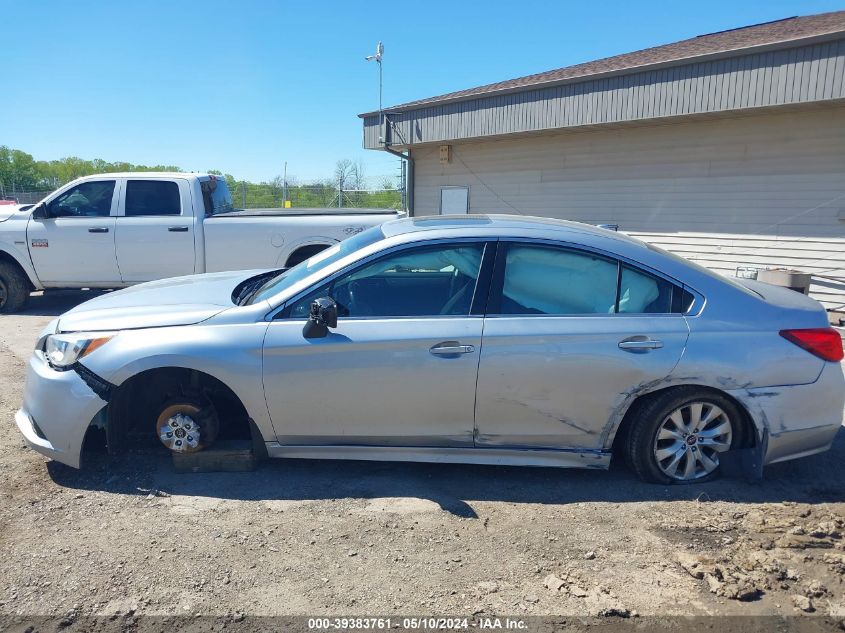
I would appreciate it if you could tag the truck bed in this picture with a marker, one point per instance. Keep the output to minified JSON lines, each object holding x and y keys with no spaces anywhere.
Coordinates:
{"x":249,"y":239}
{"x":298,"y":211}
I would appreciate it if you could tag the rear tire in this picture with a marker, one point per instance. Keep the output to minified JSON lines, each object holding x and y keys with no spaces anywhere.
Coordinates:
{"x":14,"y":288}
{"x":678,"y":436}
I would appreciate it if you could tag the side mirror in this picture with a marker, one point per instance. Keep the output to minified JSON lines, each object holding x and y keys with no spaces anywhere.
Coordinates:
{"x":40,"y":211}
{"x":322,"y":316}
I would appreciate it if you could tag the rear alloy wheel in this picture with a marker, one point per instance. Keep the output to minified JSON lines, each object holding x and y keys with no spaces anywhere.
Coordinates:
{"x":187,"y":427}
{"x":680,"y":436}
{"x":689,"y":441}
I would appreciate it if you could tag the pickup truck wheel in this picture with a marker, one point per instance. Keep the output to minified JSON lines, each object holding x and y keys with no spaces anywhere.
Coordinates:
{"x":185,"y":426}
{"x":14,"y":288}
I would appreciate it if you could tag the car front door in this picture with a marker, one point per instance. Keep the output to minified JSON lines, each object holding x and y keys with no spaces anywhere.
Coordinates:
{"x":155,"y":230}
{"x":568,"y":337}
{"x":401,"y":366}
{"x":74,"y":245}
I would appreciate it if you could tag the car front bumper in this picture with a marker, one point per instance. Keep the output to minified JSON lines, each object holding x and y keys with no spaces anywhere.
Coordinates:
{"x":58,"y":407}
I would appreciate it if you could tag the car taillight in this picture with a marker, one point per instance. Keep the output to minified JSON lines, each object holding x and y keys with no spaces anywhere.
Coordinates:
{"x":823,"y":342}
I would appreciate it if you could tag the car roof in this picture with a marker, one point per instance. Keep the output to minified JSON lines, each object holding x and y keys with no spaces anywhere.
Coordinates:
{"x":502,"y":224}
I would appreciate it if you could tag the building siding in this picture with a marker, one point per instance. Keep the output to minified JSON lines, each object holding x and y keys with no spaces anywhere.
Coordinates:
{"x":761,"y":190}
{"x":801,"y":74}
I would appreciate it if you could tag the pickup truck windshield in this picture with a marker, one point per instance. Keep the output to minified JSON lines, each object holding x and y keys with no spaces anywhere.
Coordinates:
{"x":316,"y":263}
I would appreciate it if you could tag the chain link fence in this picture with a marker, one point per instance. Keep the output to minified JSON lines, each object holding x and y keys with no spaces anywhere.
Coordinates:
{"x":247,"y":195}
{"x":22,"y":197}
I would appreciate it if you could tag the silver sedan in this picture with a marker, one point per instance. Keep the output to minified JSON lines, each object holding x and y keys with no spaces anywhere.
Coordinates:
{"x":479,"y":339}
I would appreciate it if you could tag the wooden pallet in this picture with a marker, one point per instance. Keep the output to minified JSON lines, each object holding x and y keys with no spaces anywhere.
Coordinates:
{"x":231,"y":456}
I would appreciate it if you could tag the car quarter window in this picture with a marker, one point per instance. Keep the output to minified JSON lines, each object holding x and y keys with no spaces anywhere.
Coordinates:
{"x":538,"y":279}
{"x":641,"y":293}
{"x":86,"y":200}
{"x":414,"y":282}
{"x":152,"y":197}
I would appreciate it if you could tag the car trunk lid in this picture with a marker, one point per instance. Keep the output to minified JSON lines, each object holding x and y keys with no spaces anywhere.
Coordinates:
{"x":795,"y":310}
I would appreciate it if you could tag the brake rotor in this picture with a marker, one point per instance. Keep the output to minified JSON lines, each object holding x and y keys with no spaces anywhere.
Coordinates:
{"x":185,"y":427}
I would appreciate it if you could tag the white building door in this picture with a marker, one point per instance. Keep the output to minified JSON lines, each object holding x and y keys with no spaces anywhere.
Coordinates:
{"x":454,"y":200}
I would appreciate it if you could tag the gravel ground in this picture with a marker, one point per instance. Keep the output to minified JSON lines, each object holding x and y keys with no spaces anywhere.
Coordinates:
{"x":310,"y":537}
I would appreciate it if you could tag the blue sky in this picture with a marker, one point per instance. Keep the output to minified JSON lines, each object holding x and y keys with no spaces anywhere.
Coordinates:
{"x":245,"y":86}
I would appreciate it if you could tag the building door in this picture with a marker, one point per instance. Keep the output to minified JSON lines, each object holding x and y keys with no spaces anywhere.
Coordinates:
{"x":454,"y":200}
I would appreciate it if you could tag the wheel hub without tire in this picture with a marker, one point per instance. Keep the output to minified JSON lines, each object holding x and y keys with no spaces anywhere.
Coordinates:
{"x":179,"y":430}
{"x":689,"y":440}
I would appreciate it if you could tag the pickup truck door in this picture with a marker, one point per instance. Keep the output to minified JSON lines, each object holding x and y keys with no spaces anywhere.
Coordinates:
{"x":74,"y":246}
{"x":155,"y":230}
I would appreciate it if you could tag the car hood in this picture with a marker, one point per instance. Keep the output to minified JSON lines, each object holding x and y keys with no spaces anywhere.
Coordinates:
{"x":168,"y":302}
{"x":8,"y":210}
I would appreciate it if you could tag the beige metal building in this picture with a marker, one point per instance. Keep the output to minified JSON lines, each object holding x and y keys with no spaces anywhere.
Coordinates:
{"x":728,"y":148}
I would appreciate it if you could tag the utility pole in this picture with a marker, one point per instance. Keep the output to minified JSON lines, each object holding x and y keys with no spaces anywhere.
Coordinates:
{"x":407,"y":162}
{"x":377,"y":59}
{"x":380,"y":82}
{"x":285,"y":186}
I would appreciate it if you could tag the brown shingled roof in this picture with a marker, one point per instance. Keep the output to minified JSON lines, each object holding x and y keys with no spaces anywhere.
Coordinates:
{"x":778,"y":31}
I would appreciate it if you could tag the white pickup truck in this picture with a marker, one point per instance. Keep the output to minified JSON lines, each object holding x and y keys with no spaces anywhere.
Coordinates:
{"x":115,"y":230}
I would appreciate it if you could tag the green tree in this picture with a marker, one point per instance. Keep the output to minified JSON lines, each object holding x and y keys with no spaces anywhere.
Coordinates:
{"x":18,"y":170}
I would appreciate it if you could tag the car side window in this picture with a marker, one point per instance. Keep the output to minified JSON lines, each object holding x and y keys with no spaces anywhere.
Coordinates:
{"x":641,"y":293}
{"x":152,"y":197}
{"x":86,"y":200}
{"x":423,"y":281}
{"x":538,"y":279}
{"x":548,"y":280}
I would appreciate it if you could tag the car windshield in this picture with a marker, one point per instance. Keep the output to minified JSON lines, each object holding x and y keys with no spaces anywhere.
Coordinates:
{"x":316,"y":263}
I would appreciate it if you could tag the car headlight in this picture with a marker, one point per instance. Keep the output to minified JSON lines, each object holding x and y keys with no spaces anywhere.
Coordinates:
{"x":63,"y":350}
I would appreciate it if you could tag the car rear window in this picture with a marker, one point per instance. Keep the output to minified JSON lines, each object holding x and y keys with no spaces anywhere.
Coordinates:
{"x":216,"y":196}
{"x":732,"y":281}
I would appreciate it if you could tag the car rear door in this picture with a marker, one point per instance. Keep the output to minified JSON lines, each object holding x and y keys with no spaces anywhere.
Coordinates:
{"x":75,"y":245}
{"x":155,"y":230}
{"x":569,"y":335}
{"x":401,"y":366}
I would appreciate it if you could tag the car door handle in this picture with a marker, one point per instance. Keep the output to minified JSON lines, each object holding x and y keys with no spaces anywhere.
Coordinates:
{"x":178,"y":229}
{"x":98,"y":229}
{"x":639,"y":344}
{"x":451,"y":348}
